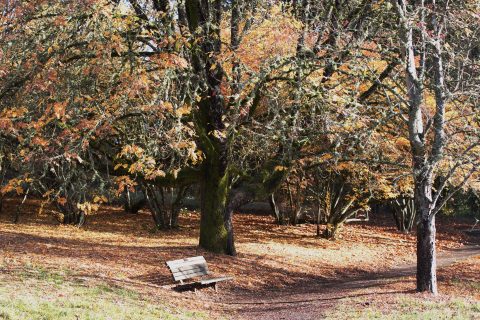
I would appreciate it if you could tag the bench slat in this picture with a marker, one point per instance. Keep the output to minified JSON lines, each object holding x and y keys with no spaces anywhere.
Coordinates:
{"x":185,"y":277}
{"x":186,"y":261}
{"x":189,"y":274}
{"x":190,"y":267}
{"x":201,"y":269}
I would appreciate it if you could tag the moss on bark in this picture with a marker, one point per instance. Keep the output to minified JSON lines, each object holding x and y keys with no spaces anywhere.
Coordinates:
{"x":215,"y":189}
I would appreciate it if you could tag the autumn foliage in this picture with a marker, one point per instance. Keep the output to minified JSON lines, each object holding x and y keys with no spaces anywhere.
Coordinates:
{"x":316,"y":106}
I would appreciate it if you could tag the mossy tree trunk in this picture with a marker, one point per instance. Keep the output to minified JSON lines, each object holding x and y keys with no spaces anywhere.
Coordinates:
{"x":204,"y":22}
{"x":219,"y":198}
{"x":214,"y":193}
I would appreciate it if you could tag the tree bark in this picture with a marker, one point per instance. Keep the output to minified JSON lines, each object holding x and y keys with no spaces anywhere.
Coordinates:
{"x":215,"y":188}
{"x":404,"y":213}
{"x":318,"y":215}
{"x":210,"y":126}
{"x":426,"y":256}
{"x":423,"y":165}
{"x":275,"y":209}
{"x":237,"y":198}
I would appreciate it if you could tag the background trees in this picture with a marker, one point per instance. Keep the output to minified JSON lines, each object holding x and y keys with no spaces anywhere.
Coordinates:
{"x":332,"y":100}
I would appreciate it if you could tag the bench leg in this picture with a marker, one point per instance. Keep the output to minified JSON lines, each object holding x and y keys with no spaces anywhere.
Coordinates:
{"x":215,"y":286}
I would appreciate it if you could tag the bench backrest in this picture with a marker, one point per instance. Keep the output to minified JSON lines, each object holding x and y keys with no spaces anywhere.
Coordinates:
{"x":188,"y":268}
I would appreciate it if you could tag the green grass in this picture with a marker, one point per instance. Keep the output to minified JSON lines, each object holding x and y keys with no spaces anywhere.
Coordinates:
{"x":408,"y":308}
{"x":35,"y":293}
{"x":472,"y":286}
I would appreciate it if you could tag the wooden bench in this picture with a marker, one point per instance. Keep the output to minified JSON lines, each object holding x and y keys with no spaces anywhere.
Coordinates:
{"x":194,"y":267}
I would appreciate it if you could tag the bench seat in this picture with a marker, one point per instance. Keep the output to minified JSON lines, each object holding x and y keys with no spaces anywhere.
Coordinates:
{"x":191,"y":268}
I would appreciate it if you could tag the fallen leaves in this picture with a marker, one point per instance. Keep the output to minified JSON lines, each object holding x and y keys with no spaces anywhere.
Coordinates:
{"x":117,"y":244}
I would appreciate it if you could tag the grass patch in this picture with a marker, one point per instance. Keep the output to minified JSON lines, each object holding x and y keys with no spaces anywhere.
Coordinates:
{"x":472,"y":286}
{"x":408,"y":308}
{"x":31,"y":272}
{"x":35,"y":293}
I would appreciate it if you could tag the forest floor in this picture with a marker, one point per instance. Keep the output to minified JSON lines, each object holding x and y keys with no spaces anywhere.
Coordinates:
{"x":281,"y":272}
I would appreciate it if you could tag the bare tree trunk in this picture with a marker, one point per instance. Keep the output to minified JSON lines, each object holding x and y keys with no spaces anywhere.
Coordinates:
{"x":134,"y":201}
{"x":293,"y":209}
{"x":423,"y":164}
{"x":404,"y":213}
{"x":237,"y":198}
{"x":426,"y":256}
{"x":318,"y":216}
{"x":275,"y":209}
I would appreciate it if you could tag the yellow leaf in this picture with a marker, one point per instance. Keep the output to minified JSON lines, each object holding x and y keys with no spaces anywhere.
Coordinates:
{"x":219,"y":134}
{"x":185,"y":109}
{"x":19,"y":190}
{"x":175,"y":173}
{"x":168,"y":106}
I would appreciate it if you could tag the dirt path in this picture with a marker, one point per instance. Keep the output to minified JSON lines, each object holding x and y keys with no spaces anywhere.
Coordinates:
{"x":310,"y":299}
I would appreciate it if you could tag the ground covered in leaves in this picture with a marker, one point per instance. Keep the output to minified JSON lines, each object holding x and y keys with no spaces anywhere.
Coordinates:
{"x":459,"y":285}
{"x":275,"y":264}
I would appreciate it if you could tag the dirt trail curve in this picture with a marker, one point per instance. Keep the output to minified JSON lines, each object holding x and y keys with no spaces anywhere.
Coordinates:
{"x":308,"y":299}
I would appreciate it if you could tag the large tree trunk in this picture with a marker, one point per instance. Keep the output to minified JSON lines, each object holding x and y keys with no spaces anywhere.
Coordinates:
{"x":426,"y":259}
{"x":426,"y":256}
{"x":204,"y":22}
{"x":216,"y":180}
{"x":423,"y":165}
{"x":215,"y":188}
